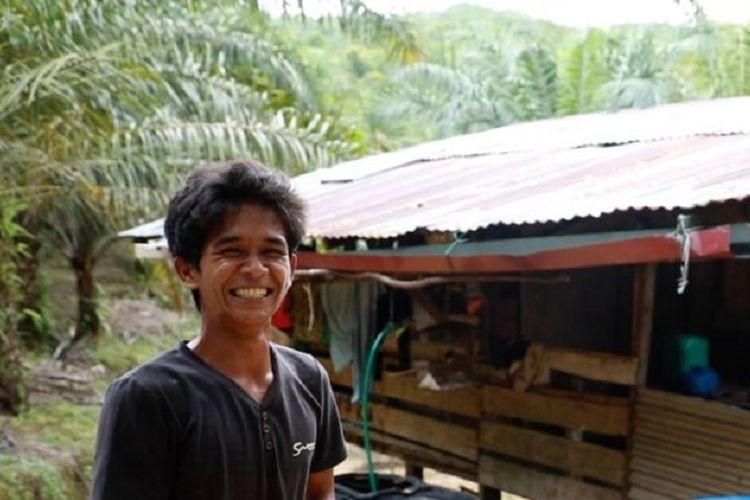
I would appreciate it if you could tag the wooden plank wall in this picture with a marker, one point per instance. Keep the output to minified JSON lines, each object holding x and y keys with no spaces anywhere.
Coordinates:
{"x":439,"y":429}
{"x":541,"y":443}
{"x":685,"y":447}
{"x":534,"y":444}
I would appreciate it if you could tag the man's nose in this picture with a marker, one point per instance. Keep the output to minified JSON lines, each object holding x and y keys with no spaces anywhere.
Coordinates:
{"x":254,"y":264}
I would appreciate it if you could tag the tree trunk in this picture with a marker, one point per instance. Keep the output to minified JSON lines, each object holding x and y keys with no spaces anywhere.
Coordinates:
{"x":12,"y":383}
{"x":89,"y":321}
{"x":30,"y":332}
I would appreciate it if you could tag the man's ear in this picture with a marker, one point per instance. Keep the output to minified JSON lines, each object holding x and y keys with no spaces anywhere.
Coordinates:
{"x":187,"y":272}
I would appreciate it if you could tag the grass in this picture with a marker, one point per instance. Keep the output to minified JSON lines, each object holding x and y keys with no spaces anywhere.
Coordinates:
{"x":30,"y":478}
{"x":119,"y":356}
{"x":60,"y":424}
{"x":53,"y":441}
{"x":56,"y":439}
{"x":60,"y":437}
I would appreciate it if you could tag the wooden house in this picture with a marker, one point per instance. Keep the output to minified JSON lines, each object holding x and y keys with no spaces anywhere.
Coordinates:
{"x":542,"y":272}
{"x":554,"y":263}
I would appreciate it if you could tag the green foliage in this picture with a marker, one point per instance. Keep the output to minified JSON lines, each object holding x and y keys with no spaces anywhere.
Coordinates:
{"x":30,"y":479}
{"x":63,"y":425}
{"x":105,"y":105}
{"x":63,"y":436}
{"x":119,"y":356}
{"x":161,"y":284}
{"x":583,"y":70}
{"x":394,"y":34}
{"x":535,"y":85}
{"x":481,"y":69}
{"x":11,"y":251}
{"x":12,"y":386}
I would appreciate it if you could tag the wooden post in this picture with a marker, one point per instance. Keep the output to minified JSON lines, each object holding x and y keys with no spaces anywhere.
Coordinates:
{"x":414,"y":470}
{"x":487,"y":493}
{"x":644,"y":283}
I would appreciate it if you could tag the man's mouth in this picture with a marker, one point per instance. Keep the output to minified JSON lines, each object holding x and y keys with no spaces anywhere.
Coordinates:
{"x":250,"y":293}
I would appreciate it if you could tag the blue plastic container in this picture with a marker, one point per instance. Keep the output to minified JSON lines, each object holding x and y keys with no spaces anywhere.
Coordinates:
{"x":700,"y":381}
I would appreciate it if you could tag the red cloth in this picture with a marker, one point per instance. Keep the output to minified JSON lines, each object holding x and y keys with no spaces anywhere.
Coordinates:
{"x":282,"y":318}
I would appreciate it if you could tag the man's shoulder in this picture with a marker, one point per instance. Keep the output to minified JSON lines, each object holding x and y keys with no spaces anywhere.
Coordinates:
{"x":299,"y":364}
{"x":159,"y":373}
{"x":295,"y":357}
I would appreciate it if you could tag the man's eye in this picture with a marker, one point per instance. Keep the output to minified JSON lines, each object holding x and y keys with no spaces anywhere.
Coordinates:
{"x":230,"y":252}
{"x":274,"y":252}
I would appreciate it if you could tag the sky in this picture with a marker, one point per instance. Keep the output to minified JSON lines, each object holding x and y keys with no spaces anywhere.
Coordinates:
{"x":575,"y":13}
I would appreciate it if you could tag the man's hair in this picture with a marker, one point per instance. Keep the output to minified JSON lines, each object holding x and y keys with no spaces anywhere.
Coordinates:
{"x":212,"y":192}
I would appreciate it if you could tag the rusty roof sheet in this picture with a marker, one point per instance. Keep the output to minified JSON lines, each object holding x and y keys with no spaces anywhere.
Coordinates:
{"x":675,"y":156}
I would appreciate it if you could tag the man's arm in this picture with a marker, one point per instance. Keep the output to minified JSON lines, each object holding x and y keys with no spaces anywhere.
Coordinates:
{"x":330,"y":449}
{"x":135,"y":446}
{"x":320,"y":485}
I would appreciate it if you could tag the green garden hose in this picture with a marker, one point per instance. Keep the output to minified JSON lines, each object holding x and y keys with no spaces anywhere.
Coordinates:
{"x":365,"y":386}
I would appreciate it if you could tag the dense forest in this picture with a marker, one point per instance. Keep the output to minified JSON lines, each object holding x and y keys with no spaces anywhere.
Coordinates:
{"x":470,"y":69}
{"x":105,"y":105}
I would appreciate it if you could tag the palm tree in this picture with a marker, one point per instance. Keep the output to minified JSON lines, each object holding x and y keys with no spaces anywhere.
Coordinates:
{"x":640,"y":73}
{"x":507,"y":88}
{"x":104,"y":103}
{"x":583,"y":68}
{"x":12,"y":390}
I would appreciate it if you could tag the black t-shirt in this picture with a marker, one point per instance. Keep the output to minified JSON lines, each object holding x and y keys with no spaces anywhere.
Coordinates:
{"x":176,"y":428}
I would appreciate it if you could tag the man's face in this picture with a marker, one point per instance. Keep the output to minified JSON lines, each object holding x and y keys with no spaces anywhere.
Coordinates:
{"x":245,"y":270}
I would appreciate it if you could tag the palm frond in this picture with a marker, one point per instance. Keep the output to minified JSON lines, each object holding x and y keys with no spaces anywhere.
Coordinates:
{"x":583,"y":70}
{"x":535,"y":83}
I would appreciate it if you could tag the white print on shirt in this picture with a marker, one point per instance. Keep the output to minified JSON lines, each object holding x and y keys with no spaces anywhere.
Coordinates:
{"x":300,"y":447}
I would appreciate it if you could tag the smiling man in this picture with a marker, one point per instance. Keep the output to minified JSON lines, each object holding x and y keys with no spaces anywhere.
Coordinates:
{"x":227,"y":415}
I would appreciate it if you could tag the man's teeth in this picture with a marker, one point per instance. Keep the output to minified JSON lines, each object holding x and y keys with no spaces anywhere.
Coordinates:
{"x":251,"y":293}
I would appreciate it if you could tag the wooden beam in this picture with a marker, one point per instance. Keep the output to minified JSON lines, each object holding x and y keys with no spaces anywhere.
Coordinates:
{"x":707,"y":243}
{"x":347,"y":410}
{"x":436,"y":351}
{"x":610,"y":416}
{"x":403,"y":386}
{"x":644,"y":284}
{"x":451,"y":438}
{"x":535,"y":484}
{"x":578,"y":458}
{"x":414,"y":452}
{"x":343,"y":378}
{"x":600,"y":366}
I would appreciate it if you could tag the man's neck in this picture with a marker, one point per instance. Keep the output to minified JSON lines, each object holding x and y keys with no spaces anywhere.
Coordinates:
{"x":245,"y":358}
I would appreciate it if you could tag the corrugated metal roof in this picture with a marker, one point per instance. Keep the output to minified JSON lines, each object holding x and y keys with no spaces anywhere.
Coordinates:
{"x":670,"y":121}
{"x":153,"y":229}
{"x":677,"y":156}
